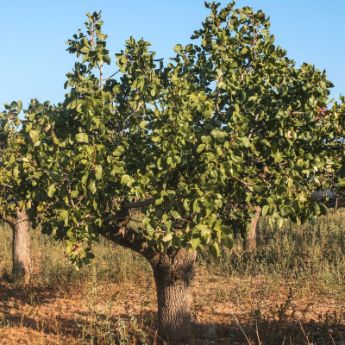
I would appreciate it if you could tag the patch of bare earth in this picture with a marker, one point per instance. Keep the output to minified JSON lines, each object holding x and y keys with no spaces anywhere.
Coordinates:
{"x":259,"y":310}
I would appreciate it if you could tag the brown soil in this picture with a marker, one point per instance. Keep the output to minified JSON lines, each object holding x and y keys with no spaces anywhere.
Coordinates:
{"x":258,"y":310}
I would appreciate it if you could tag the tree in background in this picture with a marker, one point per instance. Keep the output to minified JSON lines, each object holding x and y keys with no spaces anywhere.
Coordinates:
{"x":14,"y":196}
{"x":332,"y":121}
{"x":338,"y":151}
{"x":171,"y":159}
{"x":250,"y":243}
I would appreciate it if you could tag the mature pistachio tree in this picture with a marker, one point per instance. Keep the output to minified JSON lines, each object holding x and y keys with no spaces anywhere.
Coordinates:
{"x":171,"y":159}
{"x":14,"y":196}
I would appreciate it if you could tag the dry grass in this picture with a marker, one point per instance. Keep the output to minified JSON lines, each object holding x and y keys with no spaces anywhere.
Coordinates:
{"x":291,"y":292}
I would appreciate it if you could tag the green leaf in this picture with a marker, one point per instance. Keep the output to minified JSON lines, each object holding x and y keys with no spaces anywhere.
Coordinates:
{"x":82,"y":138}
{"x":218,"y":134}
{"x":156,"y":139}
{"x":245,"y":141}
{"x":51,"y":190}
{"x":15,"y":172}
{"x":126,"y":180}
{"x":63,"y":215}
{"x":84,"y":49}
{"x":244,"y":51}
{"x":175,"y":214}
{"x":178,"y":48}
{"x":35,"y":136}
{"x":265,"y":210}
{"x":168,"y":237}
{"x":159,"y":201}
{"x":194,"y":242}
{"x":74,"y":193}
{"x":92,"y":187}
{"x":98,"y":172}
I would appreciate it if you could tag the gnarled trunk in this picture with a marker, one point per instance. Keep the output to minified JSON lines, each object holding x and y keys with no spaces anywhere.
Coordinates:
{"x":21,"y":247}
{"x":173,"y":276}
{"x":250,"y":243}
{"x":173,"y":273}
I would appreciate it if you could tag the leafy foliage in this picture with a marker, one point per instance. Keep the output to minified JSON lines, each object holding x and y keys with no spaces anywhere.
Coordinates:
{"x":338,"y":148}
{"x":12,"y":182}
{"x":177,"y":155}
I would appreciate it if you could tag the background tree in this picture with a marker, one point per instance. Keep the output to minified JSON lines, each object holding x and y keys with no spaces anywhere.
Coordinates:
{"x":250,"y":242}
{"x":171,"y":159}
{"x":338,"y":151}
{"x":14,"y":196}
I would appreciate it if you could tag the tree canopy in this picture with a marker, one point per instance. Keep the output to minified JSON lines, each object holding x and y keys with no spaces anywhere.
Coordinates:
{"x":167,"y":155}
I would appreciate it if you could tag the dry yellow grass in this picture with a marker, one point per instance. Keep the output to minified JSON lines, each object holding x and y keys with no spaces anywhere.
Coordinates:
{"x":291,"y":293}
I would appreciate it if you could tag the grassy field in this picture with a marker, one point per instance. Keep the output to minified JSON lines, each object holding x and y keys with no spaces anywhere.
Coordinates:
{"x":291,"y":292}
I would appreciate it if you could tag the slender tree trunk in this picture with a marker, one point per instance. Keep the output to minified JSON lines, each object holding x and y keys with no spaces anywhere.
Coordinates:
{"x":250,"y":243}
{"x":173,"y":276}
{"x":336,"y":204}
{"x":21,"y":247}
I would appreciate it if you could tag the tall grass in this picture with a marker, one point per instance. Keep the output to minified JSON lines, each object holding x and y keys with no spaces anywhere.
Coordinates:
{"x":305,"y":254}
{"x":52,"y":268}
{"x":316,"y":248}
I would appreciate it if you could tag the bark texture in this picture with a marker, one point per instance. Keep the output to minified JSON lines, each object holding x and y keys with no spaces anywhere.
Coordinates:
{"x":173,"y":273}
{"x":21,"y":247}
{"x":173,"y":276}
{"x":251,"y":235}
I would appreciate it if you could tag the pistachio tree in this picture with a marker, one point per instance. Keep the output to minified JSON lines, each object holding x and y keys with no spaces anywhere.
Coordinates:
{"x":171,"y":158}
{"x":14,"y":196}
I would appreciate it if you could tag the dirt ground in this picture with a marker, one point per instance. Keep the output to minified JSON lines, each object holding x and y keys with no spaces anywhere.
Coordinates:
{"x":260,"y":310}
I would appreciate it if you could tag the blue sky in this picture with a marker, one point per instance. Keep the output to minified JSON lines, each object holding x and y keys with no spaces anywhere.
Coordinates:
{"x":34,"y":61}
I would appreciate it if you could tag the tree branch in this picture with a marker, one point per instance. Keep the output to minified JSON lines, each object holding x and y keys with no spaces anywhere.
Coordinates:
{"x":118,"y":230}
{"x":127,"y":237}
{"x":9,"y":220}
{"x":137,"y":204}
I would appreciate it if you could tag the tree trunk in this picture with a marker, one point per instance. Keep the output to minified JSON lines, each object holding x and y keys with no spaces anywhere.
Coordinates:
{"x":173,"y":276}
{"x":173,"y":273}
{"x":21,"y":247}
{"x":251,"y":234}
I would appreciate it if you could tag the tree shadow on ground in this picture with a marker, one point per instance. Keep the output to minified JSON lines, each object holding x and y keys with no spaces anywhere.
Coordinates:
{"x":103,"y":329}
{"x":206,"y":334}
{"x":270,"y":332}
{"x":26,"y":294}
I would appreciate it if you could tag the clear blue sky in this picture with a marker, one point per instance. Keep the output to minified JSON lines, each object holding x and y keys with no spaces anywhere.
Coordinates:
{"x":34,"y":61}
